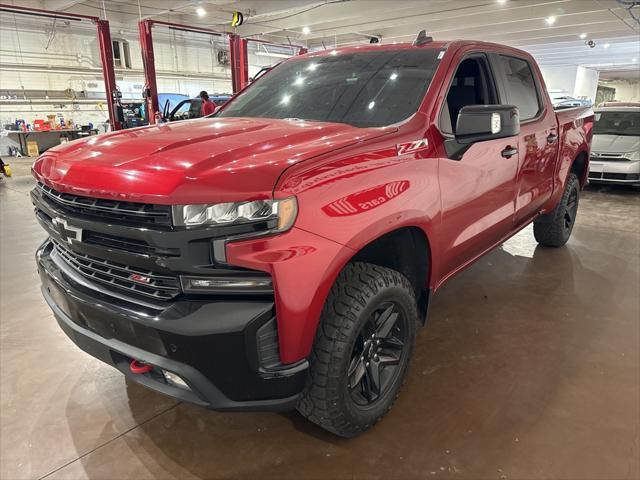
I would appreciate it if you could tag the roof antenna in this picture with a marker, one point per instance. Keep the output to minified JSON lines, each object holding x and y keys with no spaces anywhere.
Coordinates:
{"x":422,"y":39}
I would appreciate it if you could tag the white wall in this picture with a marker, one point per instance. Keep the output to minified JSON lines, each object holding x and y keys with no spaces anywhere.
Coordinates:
{"x":586,"y":83}
{"x":560,"y":78}
{"x":626,"y":91}
{"x":180,"y":58}
{"x":575,"y":81}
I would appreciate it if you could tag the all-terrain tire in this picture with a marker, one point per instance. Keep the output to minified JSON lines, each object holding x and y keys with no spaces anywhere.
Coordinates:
{"x":358,"y":291}
{"x":554,"y":228}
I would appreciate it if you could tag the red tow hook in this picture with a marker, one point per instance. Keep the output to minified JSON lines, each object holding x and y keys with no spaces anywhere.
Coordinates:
{"x":140,"y":368}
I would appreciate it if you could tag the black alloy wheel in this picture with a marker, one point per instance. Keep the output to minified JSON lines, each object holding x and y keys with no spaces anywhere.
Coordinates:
{"x":362,"y":349}
{"x":553,"y":229}
{"x":571,"y":209}
{"x":377,"y":354}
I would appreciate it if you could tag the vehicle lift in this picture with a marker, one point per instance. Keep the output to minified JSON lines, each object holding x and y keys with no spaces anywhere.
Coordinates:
{"x":106,"y":53}
{"x":237,"y":47}
{"x":245,"y":65}
{"x":237,"y":52}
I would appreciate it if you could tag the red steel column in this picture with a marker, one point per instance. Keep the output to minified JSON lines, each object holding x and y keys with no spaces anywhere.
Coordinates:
{"x":239,"y":62}
{"x":149,"y":65}
{"x":106,"y":58}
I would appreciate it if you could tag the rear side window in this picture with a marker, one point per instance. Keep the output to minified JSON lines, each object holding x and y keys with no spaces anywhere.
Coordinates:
{"x":521,"y":87}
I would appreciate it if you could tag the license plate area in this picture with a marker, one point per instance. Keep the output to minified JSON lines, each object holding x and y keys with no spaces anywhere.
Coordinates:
{"x":596,"y":167}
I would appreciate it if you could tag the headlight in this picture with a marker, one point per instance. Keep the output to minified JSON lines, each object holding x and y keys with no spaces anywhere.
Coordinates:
{"x":282,"y":210}
{"x":633,"y":155}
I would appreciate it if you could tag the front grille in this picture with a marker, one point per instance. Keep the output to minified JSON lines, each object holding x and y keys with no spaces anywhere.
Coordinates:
{"x":119,"y":243}
{"x":609,"y":157}
{"x":127,"y":244}
{"x":614,"y":176}
{"x":120,"y":211}
{"x":119,"y":277}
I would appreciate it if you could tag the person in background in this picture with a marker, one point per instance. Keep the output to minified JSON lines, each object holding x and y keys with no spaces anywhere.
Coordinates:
{"x":208,"y":106}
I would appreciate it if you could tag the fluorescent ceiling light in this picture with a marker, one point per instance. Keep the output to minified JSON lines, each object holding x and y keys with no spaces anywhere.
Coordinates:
{"x":201,"y":11}
{"x":550,"y":20}
{"x":606,"y":45}
{"x":634,"y":60}
{"x":583,"y":36}
{"x":306,"y":30}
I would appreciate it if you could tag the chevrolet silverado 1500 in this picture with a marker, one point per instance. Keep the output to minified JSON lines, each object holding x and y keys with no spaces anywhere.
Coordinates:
{"x":281,"y":253}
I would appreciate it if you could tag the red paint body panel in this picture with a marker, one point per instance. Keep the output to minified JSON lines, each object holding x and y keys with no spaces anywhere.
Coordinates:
{"x":303,"y":266}
{"x":352,"y":185}
{"x":199,"y":161}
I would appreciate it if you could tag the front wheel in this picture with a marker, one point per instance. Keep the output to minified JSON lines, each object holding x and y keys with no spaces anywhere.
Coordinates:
{"x":554,"y":229}
{"x":362,"y":349}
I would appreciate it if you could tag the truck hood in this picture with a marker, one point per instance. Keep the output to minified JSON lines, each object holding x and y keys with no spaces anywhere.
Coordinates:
{"x":615,"y":144}
{"x":199,"y":161}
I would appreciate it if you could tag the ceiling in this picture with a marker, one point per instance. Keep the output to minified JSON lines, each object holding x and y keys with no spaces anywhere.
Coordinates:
{"x":550,"y":30}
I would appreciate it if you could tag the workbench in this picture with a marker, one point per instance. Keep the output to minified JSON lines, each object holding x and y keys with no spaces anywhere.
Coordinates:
{"x":72,"y":133}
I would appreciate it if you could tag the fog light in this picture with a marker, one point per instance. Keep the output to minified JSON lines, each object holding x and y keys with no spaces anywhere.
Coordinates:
{"x":175,"y":380}
{"x":227,"y":284}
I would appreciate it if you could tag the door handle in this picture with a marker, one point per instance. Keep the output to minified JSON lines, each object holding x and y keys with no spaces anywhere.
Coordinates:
{"x":552,"y":137}
{"x":509,"y":152}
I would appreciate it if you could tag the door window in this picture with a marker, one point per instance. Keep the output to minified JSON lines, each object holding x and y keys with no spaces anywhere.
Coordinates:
{"x":521,"y":87}
{"x":195,"y":108}
{"x":471,"y":85}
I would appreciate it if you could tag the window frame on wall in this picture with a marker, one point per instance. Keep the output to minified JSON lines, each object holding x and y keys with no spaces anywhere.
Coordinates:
{"x":121,"y":53}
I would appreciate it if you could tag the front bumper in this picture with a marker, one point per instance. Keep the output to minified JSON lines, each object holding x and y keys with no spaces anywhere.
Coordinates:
{"x":622,"y":172}
{"x":216,"y":346}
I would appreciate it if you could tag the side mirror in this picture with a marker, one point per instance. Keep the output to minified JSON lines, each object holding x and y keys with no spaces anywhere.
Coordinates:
{"x":478,"y":123}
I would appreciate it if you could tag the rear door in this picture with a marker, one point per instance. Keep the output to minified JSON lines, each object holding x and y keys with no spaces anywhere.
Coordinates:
{"x":538,"y":141}
{"x":478,"y":187}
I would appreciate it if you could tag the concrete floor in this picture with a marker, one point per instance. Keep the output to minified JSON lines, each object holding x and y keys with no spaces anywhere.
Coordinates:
{"x":529,"y":369}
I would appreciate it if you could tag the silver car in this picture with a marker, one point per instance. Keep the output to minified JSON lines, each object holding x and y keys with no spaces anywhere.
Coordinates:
{"x":615,"y":148}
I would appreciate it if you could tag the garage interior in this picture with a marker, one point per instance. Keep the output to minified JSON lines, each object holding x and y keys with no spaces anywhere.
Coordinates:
{"x":529,"y":367}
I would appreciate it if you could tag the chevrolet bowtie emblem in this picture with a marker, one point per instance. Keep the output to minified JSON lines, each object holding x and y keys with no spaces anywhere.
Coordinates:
{"x":67,"y":232}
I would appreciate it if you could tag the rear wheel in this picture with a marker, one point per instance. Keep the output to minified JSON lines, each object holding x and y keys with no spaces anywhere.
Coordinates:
{"x":362,"y":349}
{"x":554,"y":229}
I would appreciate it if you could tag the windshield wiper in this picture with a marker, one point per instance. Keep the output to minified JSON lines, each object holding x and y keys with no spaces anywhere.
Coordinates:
{"x":296,"y":119}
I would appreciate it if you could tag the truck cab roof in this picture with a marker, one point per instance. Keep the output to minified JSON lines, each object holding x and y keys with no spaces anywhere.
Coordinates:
{"x":434,"y":44}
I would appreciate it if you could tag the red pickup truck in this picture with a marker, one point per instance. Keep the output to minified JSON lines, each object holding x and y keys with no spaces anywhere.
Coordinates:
{"x":281,"y":253}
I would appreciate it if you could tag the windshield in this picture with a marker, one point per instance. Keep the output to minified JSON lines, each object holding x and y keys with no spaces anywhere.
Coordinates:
{"x":617,"y":123}
{"x":369,"y":89}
